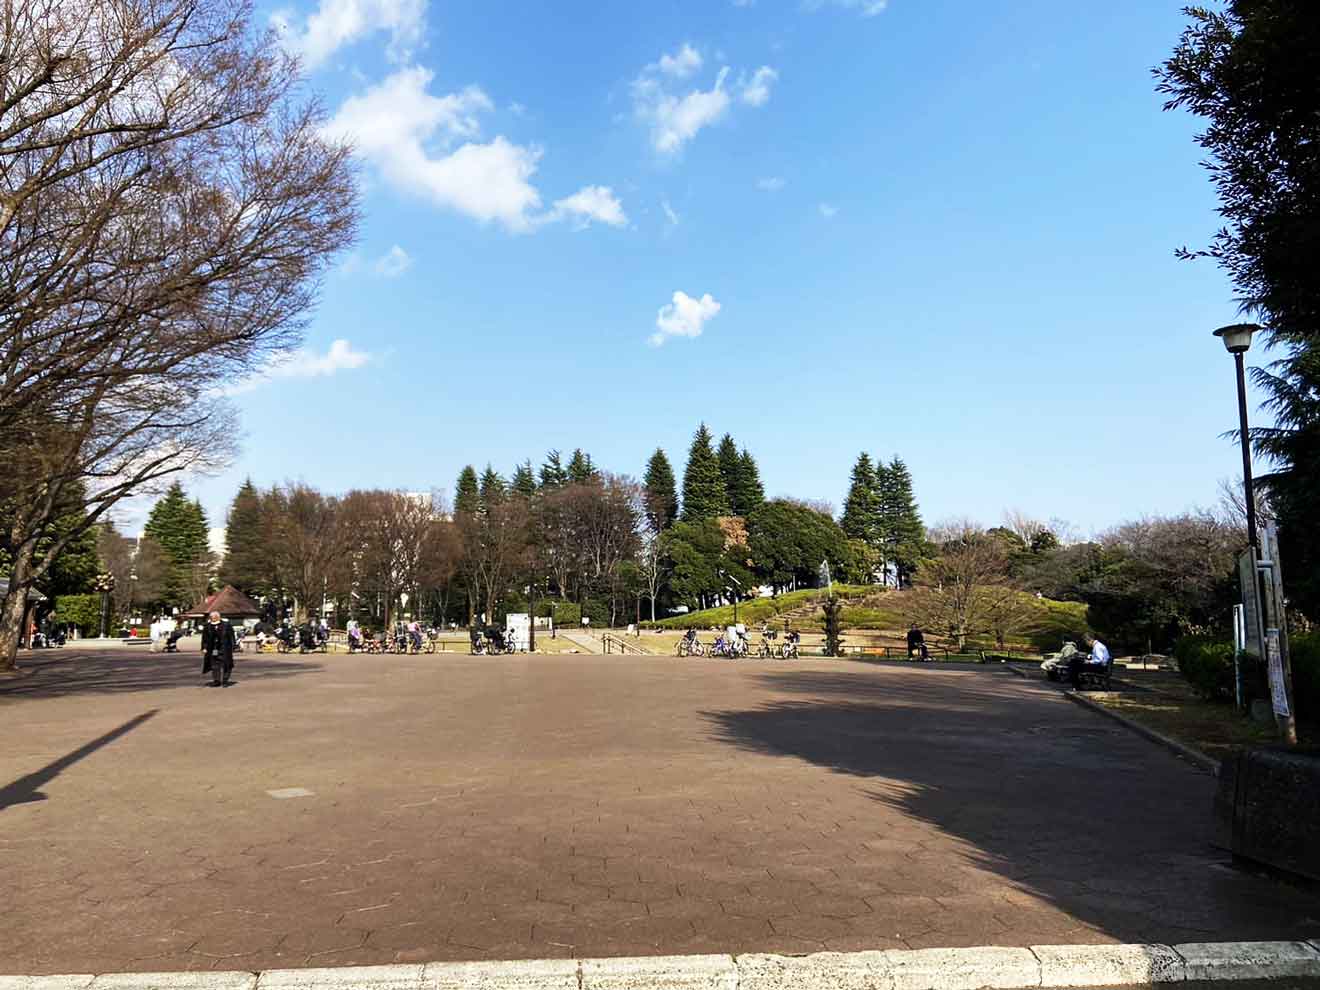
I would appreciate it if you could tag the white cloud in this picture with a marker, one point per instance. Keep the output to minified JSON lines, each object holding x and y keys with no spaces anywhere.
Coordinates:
{"x":409,"y":135}
{"x":305,"y":363}
{"x":827,"y":211}
{"x":336,"y":23}
{"x":771,"y":183}
{"x":683,"y":317}
{"x":756,"y":91}
{"x":676,"y":117}
{"x":670,"y":215}
{"x":867,"y":8}
{"x":587,"y":204}
{"x":393,"y":262}
{"x":682,"y":63}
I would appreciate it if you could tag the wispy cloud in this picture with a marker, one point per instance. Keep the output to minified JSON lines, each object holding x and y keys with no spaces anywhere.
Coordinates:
{"x":828,"y":211}
{"x":756,"y":90}
{"x":673,"y":218}
{"x":305,"y":363}
{"x":683,"y":317}
{"x":676,"y":117}
{"x":867,"y":8}
{"x":771,"y":183}
{"x":393,"y":262}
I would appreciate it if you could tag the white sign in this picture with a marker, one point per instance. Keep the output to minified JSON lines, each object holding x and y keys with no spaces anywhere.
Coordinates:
{"x":1278,"y":690}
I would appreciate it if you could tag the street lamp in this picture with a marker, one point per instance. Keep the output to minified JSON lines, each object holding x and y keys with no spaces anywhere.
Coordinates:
{"x":1237,"y":341}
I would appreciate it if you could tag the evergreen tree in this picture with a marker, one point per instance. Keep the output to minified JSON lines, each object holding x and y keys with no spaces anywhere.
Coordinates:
{"x":750,"y":492}
{"x":580,"y":468}
{"x":861,"y":509}
{"x":704,"y":493}
{"x":905,"y":531}
{"x":524,"y":481}
{"x":179,"y":527}
{"x":246,"y":564}
{"x":660,"y":491}
{"x":492,"y":489}
{"x":729,"y":471}
{"x":553,"y":474}
{"x":467,"y":493}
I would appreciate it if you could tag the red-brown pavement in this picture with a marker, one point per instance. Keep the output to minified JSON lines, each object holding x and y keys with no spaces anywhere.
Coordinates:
{"x":523,"y":807}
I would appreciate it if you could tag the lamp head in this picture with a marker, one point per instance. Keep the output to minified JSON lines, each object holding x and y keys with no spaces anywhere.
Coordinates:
{"x":1237,"y":338}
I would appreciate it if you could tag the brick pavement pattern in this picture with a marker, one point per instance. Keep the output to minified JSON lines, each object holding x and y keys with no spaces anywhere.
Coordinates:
{"x":516,"y":807}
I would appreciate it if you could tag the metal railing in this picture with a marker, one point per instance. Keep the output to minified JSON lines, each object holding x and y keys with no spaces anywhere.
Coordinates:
{"x":613,"y":644}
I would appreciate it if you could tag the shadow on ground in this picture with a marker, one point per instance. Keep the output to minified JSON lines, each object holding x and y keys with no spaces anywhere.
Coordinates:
{"x":59,"y":673}
{"x":27,"y":788}
{"x":1068,"y":806}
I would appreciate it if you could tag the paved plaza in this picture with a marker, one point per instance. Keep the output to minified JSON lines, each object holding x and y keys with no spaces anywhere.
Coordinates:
{"x":362,"y":810}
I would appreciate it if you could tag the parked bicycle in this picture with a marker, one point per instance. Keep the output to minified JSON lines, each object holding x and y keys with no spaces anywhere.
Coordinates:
{"x":690,"y":646}
{"x":789,"y":649}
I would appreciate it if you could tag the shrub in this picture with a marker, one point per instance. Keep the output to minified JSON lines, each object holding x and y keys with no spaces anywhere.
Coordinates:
{"x":1207,"y":664}
{"x":567,"y":615}
{"x":1304,"y":657}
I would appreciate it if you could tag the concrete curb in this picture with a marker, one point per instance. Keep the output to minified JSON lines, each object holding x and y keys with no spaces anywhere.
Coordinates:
{"x":985,"y":968}
{"x":1189,"y":753}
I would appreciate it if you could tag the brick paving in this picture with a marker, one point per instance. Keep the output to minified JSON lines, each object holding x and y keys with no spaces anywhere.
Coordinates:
{"x":483,"y":808}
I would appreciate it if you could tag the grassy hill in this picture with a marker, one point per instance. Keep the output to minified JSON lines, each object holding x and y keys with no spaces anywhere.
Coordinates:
{"x":886,"y":615}
{"x":760,"y":610}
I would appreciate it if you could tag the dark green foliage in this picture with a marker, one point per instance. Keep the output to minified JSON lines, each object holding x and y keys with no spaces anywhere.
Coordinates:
{"x":1207,"y":665}
{"x":789,"y":540}
{"x":467,"y":492}
{"x":83,"y":611}
{"x":179,"y":527}
{"x":247,"y":556}
{"x":1249,"y":69}
{"x":1304,"y":658}
{"x":76,"y":566}
{"x":580,"y":468}
{"x":727,"y":454}
{"x":695,"y":555}
{"x":902,"y":529}
{"x":660,"y":491}
{"x":861,"y":509}
{"x":492,"y":489}
{"x":553,"y":474}
{"x":524,"y":481}
{"x":750,"y":493}
{"x":704,"y":493}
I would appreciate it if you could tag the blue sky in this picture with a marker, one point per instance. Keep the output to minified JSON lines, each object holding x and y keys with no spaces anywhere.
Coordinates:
{"x":932,"y":228}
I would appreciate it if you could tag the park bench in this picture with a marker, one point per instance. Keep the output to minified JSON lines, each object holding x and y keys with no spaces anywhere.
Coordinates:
{"x":135,"y":640}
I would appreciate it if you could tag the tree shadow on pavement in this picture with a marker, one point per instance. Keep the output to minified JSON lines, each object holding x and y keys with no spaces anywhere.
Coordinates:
{"x":116,"y":672}
{"x":27,"y":788}
{"x":1060,"y":803}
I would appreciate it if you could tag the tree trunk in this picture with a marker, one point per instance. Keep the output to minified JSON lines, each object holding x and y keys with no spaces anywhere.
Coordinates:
{"x":653,"y":608}
{"x":15,"y":609}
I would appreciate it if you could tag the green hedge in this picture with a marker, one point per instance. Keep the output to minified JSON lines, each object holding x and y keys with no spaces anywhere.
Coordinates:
{"x":1207,"y":665}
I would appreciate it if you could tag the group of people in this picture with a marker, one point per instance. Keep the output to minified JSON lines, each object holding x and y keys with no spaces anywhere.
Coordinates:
{"x":406,"y":637}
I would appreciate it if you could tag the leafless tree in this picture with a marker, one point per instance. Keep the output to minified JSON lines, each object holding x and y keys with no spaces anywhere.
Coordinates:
{"x":495,"y":548}
{"x":137,"y":566}
{"x":167,"y":206}
{"x":1024,"y":526}
{"x":401,"y":544}
{"x":308,"y":539}
{"x":957,"y":588}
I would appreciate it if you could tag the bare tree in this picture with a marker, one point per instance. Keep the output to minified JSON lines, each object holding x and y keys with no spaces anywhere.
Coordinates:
{"x":167,"y":207}
{"x":1024,"y":526}
{"x":956,"y":589}
{"x":308,"y":539}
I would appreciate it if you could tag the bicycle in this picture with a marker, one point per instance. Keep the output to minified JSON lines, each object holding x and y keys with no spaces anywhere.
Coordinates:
{"x":689,"y":648}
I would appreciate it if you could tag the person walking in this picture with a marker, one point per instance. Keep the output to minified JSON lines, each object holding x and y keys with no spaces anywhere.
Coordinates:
{"x":218,"y":643}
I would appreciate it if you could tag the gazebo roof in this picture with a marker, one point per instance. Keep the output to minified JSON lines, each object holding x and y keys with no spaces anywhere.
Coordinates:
{"x":229,"y":602}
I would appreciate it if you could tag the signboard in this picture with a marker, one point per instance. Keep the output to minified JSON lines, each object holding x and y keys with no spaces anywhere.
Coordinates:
{"x":1278,"y":687}
{"x":1250,"y":586}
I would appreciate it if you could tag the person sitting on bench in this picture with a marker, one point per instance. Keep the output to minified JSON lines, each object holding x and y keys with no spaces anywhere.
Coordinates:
{"x":1097,"y":661}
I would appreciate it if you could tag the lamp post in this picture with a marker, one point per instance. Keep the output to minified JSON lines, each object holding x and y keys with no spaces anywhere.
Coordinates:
{"x":1237,"y":341}
{"x":1268,"y":589}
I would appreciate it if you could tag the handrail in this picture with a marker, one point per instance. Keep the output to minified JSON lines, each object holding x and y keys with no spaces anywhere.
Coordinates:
{"x":623,"y":646}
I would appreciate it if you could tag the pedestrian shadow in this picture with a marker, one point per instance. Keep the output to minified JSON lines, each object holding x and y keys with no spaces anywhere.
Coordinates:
{"x":1059,"y":804}
{"x":69,"y":672}
{"x":27,"y":789}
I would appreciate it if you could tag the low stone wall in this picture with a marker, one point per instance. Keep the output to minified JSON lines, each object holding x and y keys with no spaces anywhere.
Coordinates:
{"x":1268,"y":809}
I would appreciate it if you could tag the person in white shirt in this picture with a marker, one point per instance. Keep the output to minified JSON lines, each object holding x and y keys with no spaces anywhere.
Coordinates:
{"x":1098,"y":658}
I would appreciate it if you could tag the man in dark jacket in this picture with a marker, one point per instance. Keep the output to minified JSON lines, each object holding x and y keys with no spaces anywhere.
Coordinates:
{"x":218,"y":642}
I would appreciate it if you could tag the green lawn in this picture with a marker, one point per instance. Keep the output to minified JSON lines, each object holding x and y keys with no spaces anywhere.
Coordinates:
{"x":759,"y":610}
